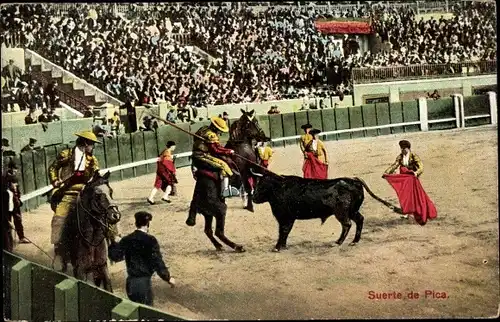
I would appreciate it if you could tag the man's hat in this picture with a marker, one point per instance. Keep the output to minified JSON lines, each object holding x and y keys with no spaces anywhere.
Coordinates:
{"x":306,"y":126}
{"x":170,"y":144}
{"x":219,"y":123}
{"x":314,"y":131}
{"x":404,"y":144}
{"x":32,"y":141}
{"x":142,"y":218}
{"x":89,"y":135}
{"x":5,"y":142}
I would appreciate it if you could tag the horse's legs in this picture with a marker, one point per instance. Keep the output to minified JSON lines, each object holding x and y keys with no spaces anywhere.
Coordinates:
{"x":191,"y":220}
{"x":210,"y":233}
{"x":97,"y":278}
{"x":248,"y":192}
{"x":79,"y":272}
{"x":106,"y":279}
{"x":358,"y":219}
{"x":220,"y":222}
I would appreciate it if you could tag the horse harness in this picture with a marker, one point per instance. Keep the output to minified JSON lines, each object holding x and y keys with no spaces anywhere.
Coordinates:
{"x":105,"y":224}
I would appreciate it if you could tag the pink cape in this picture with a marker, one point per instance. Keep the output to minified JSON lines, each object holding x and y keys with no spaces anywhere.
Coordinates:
{"x":412,"y":196}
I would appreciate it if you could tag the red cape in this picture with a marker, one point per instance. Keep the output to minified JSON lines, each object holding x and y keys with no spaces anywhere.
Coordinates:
{"x":165,"y":173}
{"x":313,"y":168}
{"x":411,"y":195}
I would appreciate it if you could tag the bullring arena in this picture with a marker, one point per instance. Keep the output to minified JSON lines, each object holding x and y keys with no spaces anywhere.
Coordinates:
{"x":452,"y":262}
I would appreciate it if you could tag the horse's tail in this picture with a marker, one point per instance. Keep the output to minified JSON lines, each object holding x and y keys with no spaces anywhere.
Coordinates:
{"x":374,"y":196}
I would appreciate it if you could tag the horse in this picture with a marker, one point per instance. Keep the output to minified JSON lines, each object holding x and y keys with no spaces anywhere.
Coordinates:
{"x":208,"y":201}
{"x":86,"y":229}
{"x":241,"y":134}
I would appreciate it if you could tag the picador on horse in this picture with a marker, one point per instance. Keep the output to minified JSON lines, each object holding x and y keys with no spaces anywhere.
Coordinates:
{"x":68,"y":174}
{"x":211,"y":158}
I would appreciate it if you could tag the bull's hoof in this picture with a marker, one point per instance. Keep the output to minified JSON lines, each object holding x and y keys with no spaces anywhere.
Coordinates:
{"x":353,"y":243}
{"x":276,"y":250}
{"x":239,"y":249}
{"x":219,"y":249}
{"x":191,"y":222}
{"x":337,"y":243}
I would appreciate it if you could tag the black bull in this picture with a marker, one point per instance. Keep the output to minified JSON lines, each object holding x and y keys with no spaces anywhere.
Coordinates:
{"x":294,"y":198}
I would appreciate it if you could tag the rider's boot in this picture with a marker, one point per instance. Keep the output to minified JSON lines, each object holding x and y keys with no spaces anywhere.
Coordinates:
{"x":191,"y":221}
{"x":227,"y":190}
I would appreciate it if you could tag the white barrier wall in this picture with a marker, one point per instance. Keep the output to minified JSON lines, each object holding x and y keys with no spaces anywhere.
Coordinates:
{"x":393,"y":90}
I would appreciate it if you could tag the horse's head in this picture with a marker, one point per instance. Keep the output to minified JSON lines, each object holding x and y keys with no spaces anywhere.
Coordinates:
{"x":98,"y":197}
{"x":248,"y":128}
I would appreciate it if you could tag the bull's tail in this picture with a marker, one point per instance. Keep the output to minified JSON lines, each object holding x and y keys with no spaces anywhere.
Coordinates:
{"x":386,"y":203}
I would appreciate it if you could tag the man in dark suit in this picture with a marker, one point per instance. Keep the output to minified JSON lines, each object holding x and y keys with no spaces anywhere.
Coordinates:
{"x":12,"y":74}
{"x":6,"y":151}
{"x":142,"y":255}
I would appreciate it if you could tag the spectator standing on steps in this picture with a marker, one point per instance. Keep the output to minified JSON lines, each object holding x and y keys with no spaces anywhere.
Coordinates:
{"x":14,"y":208}
{"x":143,"y":258}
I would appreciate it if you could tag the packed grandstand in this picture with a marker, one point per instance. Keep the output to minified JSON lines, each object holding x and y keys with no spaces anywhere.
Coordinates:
{"x":212,"y":54}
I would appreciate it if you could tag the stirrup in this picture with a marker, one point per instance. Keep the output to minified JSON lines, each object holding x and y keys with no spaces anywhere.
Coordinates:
{"x":230,"y":192}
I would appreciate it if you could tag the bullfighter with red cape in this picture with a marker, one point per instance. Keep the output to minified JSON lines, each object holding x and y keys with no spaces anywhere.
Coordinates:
{"x":316,"y":162}
{"x":411,"y":194}
{"x":165,"y":174}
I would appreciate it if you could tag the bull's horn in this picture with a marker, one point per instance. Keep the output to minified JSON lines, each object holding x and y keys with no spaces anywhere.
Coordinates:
{"x":256,"y":174}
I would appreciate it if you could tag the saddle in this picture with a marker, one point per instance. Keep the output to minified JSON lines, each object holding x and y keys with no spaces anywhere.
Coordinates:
{"x":201,"y":168}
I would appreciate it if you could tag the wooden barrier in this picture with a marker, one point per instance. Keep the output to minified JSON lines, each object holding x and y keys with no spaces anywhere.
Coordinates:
{"x":38,"y":293}
{"x":284,"y":129}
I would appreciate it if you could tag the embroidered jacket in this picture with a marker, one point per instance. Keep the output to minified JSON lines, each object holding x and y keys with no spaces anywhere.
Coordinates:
{"x":305,"y":139}
{"x":212,"y":146}
{"x":414,"y":164}
{"x":64,"y":167}
{"x":320,"y":151}
{"x":265,"y":153}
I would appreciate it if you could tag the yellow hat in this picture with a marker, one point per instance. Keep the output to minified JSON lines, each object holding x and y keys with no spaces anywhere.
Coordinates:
{"x":219,"y":123}
{"x":89,"y":135}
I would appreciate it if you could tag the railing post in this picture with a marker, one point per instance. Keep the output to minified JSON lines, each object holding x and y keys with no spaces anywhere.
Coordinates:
{"x":66,"y":301}
{"x":21,"y":291}
{"x":493,"y":107}
{"x":456,"y":104}
{"x":460,"y":98}
{"x":126,"y":310}
{"x":424,"y":115}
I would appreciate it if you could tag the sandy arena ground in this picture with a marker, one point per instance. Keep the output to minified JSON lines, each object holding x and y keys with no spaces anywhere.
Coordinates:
{"x":457,"y":253}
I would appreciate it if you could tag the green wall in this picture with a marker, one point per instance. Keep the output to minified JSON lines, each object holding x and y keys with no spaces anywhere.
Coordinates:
{"x":138,"y":146}
{"x":55,"y":133}
{"x":34,"y":292}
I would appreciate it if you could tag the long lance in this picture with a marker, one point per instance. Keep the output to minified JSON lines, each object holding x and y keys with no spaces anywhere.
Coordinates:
{"x":205,"y":140}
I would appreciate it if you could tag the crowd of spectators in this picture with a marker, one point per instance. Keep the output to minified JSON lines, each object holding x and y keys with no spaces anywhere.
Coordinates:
{"x":260,"y":55}
{"x":28,"y":94}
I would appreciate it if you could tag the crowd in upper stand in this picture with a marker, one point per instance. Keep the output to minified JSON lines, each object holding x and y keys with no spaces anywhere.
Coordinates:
{"x":259,"y":55}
